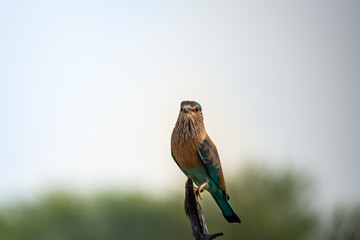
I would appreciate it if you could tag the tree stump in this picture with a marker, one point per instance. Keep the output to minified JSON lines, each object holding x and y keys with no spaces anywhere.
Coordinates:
{"x":194,"y":212}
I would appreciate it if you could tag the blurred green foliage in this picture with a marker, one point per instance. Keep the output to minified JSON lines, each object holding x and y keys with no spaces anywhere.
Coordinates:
{"x":344,"y":224}
{"x":272,"y":204}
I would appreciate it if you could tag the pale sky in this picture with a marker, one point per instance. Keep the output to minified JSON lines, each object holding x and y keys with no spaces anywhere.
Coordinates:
{"x":90,"y":90}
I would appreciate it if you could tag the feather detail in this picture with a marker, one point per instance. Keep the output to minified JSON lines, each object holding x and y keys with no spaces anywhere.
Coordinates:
{"x":210,"y":157}
{"x":189,"y":132}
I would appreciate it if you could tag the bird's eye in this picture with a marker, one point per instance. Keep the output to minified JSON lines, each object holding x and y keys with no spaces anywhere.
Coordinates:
{"x":197,"y":109}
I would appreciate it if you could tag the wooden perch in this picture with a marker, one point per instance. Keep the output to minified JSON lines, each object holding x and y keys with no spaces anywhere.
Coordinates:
{"x":194,"y":212}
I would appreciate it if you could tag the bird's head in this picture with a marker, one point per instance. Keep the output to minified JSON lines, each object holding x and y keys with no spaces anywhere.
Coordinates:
{"x":190,"y":111}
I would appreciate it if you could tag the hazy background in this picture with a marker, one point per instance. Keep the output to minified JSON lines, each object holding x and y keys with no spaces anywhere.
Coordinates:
{"x":90,"y":91}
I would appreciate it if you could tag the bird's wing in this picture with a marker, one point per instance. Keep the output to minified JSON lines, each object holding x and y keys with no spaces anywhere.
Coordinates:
{"x":209,"y":156}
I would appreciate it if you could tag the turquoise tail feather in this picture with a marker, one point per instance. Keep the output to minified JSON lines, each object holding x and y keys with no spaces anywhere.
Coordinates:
{"x":226,"y":208}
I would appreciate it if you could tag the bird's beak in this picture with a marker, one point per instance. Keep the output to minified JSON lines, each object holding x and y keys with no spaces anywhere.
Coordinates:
{"x":186,"y":109}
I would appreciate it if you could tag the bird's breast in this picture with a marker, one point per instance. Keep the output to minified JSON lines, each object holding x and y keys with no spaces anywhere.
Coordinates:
{"x":186,"y":152}
{"x":185,"y":141}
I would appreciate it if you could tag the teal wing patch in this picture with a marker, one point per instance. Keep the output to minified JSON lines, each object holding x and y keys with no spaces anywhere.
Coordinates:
{"x":209,"y":158}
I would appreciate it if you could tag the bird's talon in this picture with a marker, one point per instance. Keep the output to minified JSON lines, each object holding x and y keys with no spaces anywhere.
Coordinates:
{"x":200,"y":189}
{"x":197,"y":193}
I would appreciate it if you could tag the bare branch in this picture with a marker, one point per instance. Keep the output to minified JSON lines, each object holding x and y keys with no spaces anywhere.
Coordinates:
{"x":194,"y":212}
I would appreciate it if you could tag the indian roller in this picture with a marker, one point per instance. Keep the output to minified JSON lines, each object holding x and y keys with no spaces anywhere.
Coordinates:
{"x":197,"y":156}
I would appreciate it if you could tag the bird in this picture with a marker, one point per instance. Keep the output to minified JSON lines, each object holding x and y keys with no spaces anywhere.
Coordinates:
{"x":197,"y":157}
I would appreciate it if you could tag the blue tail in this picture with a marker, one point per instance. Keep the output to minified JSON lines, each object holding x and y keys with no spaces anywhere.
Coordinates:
{"x":226,"y":208}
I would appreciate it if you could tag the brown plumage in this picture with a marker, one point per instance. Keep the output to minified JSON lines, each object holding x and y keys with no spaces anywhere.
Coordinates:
{"x":197,"y":156}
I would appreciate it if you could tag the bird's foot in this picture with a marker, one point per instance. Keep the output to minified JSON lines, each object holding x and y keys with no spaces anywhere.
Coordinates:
{"x":200,"y":190}
{"x":197,"y":193}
